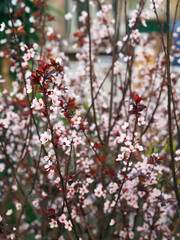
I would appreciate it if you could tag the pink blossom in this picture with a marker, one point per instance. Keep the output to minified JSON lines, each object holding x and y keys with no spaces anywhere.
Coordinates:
{"x":26,"y":57}
{"x":37,"y":104}
{"x":62,"y":218}
{"x":45,"y":137}
{"x":31,"y":52}
{"x":120,"y":157}
{"x":68,"y":225}
{"x":98,"y":191}
{"x":53,"y":223}
{"x":2,"y":167}
{"x":9,"y":212}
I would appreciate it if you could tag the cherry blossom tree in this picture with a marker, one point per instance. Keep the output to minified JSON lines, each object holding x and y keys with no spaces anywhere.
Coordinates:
{"x":91,"y":153}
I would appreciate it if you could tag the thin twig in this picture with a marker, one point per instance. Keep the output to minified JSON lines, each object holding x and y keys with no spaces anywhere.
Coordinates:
{"x":28,"y":194}
{"x":91,"y":73}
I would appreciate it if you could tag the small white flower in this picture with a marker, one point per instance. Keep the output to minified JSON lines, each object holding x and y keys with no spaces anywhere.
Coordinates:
{"x":141,"y":121}
{"x":14,"y":187}
{"x":121,"y":138}
{"x":9,"y":212}
{"x":120,"y":157}
{"x":138,"y":147}
{"x":26,"y":57}
{"x":65,"y":142}
{"x":36,"y":203}
{"x":45,"y":137}
{"x":53,"y":223}
{"x":68,"y":225}
{"x":98,"y":191}
{"x":119,"y":44}
{"x":177,"y":152}
{"x":18,"y":206}
{"x":37,"y":104}
{"x":2,"y":27}
{"x":113,"y":187}
{"x":11,"y":236}
{"x":178,"y":29}
{"x":127,"y":143}
{"x":131,"y":148}
{"x":68,"y":16}
{"x":58,"y":60}
{"x":32,"y":19}
{"x":125,"y":126}
{"x":62,"y":218}
{"x":14,"y":2}
{"x":48,"y":165}
{"x":117,"y":67}
{"x":31,"y":52}
{"x":131,"y":22}
{"x":106,"y":7}
{"x":108,"y":50}
{"x":50,"y":31}
{"x":112,"y":222}
{"x":2,"y":167}
{"x":27,"y":9}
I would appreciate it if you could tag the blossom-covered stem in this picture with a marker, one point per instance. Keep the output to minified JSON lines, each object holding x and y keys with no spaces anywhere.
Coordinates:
{"x":157,"y":104}
{"x":169,"y":88}
{"x":12,"y":167}
{"x":112,"y":74}
{"x":14,"y":174}
{"x":109,"y":35}
{"x":21,"y":159}
{"x":106,"y":77}
{"x":91,"y":73}
{"x":29,"y":193}
{"x":106,"y":230}
{"x":127,"y":84}
{"x":121,"y":103}
{"x":110,"y":68}
{"x":22,"y":71}
{"x":94,"y":150}
{"x":57,"y":161}
{"x":68,"y":164}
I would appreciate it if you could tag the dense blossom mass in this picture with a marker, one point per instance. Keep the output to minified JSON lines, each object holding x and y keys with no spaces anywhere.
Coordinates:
{"x":90,"y":152}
